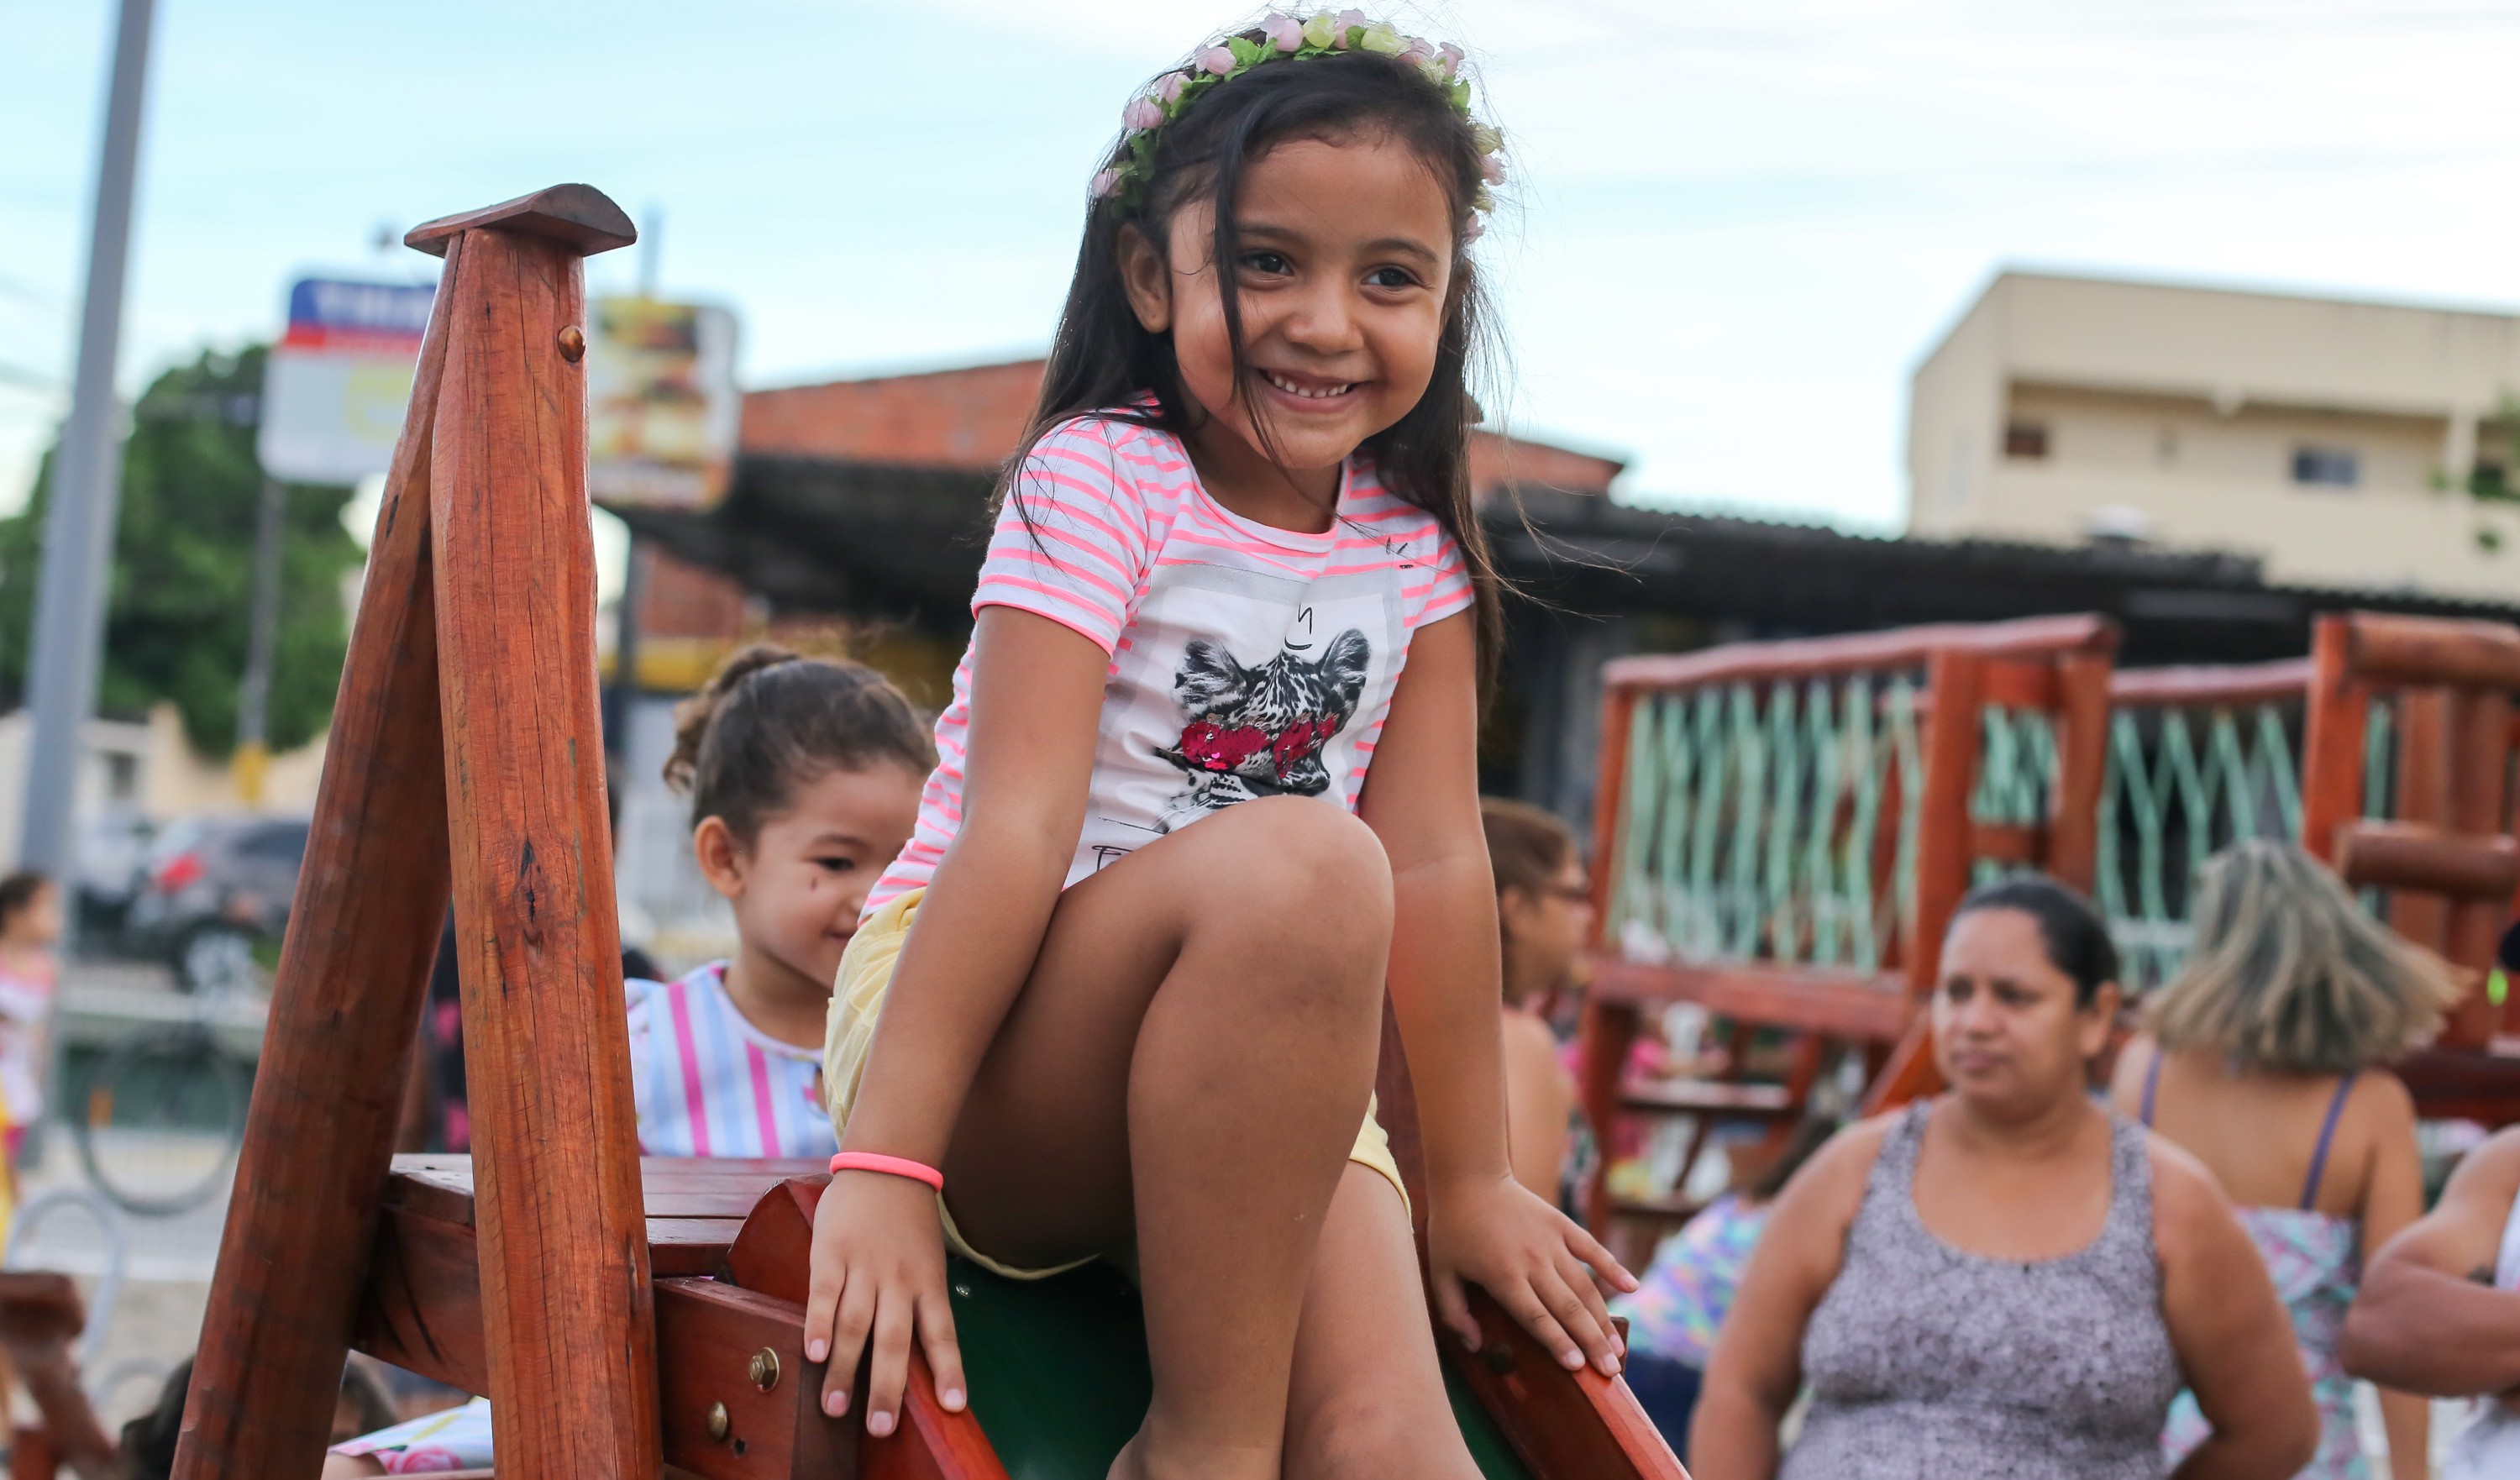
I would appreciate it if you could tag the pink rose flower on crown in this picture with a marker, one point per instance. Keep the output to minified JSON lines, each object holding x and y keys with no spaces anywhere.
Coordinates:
{"x":1215,"y":59}
{"x":1170,"y":88}
{"x":1142,"y":113}
{"x":1492,"y":168}
{"x":1348,"y":21}
{"x":1451,"y":57}
{"x":1285,"y":32}
{"x":1105,"y":183}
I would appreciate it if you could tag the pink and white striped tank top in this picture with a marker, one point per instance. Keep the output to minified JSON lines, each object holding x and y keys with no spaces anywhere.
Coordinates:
{"x":1246,"y":661}
{"x":708,"y":1083}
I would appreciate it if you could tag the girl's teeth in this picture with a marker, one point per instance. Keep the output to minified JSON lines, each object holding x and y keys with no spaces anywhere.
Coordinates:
{"x":1314,"y":395}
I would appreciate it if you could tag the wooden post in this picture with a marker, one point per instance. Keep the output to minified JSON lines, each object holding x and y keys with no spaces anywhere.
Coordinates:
{"x":2082,"y":768}
{"x":494,"y":445}
{"x":1952,"y":740}
{"x":344,"y":1012}
{"x":2424,"y":783}
{"x":567,"y":1311}
{"x":2332,"y":740}
{"x":2480,"y":755}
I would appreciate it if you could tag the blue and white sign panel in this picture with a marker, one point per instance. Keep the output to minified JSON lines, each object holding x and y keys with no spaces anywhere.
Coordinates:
{"x":338,"y":380}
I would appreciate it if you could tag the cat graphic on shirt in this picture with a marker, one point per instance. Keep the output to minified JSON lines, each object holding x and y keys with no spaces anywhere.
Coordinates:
{"x":1259,"y":730}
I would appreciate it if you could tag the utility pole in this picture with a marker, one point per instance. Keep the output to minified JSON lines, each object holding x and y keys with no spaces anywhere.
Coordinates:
{"x":254,"y":694}
{"x":87,"y":481}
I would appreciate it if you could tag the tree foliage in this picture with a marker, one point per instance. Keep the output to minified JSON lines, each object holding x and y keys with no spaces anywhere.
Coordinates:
{"x":182,"y":597}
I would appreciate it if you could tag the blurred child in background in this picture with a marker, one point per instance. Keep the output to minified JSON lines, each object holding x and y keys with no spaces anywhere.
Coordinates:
{"x":1679,"y":1306}
{"x":1543,"y":910}
{"x":804,"y":779}
{"x":31,"y":927}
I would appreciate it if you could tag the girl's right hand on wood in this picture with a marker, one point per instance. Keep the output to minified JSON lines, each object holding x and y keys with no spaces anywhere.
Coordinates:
{"x":878,"y":1271}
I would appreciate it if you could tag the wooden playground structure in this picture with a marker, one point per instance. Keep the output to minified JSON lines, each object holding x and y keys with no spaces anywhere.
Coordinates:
{"x":627,"y":1318}
{"x":1784,"y":830}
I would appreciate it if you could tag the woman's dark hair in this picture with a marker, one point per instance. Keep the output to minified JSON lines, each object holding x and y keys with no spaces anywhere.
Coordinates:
{"x":773,"y":721}
{"x":1103,"y":357}
{"x":2075,"y":939}
{"x":18,"y":890}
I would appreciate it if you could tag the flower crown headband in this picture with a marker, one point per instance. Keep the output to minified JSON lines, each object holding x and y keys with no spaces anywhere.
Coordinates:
{"x":1284,"y":38}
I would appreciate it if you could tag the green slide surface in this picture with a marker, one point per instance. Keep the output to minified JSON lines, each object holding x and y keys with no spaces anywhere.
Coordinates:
{"x":1058,"y":1372}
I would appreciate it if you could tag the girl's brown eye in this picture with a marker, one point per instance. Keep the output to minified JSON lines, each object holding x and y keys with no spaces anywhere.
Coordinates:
{"x":1390,"y":277}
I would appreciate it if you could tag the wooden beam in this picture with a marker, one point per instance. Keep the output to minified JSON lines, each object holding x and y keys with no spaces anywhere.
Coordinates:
{"x":344,"y":1012}
{"x":565,"y":1301}
{"x":2234,"y":685}
{"x":2386,"y":651}
{"x":1831,"y":1000}
{"x":2420,"y":856}
{"x":2332,"y":750}
{"x":579,"y":217}
{"x":2082,"y":721}
{"x":1903,"y":648}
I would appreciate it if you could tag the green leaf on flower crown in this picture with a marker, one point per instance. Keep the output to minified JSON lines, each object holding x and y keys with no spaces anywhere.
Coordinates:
{"x":1460,"y":93}
{"x":1245,"y":53}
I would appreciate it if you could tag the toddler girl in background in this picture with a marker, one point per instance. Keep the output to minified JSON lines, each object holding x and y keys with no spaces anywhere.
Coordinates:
{"x":804,"y":779}
{"x":1124,"y":988}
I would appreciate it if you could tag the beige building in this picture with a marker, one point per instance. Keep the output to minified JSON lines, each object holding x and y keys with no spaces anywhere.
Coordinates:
{"x":2345,"y":443}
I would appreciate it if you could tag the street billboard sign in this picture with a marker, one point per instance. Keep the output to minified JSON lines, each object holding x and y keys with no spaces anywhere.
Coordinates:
{"x":337,"y":383}
{"x":662,"y":411}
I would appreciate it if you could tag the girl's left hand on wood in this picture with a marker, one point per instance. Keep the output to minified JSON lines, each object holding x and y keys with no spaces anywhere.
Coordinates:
{"x":1533,"y":1259}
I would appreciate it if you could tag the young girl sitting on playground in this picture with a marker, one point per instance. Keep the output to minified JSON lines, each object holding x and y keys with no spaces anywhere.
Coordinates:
{"x":804,"y":779}
{"x":2264,"y":1060}
{"x":1124,"y":989}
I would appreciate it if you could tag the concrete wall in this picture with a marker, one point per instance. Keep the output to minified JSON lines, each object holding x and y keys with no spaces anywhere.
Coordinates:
{"x":2189,"y":406}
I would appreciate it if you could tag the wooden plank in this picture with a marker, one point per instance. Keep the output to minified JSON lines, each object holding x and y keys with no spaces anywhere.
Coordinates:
{"x":2233,"y":686}
{"x":2018,"y":683}
{"x":566,"y":1305}
{"x":1952,"y":740}
{"x":1577,"y":1425}
{"x":2331,"y":751}
{"x":1840,"y":1004}
{"x":770,"y":1257}
{"x":580,"y":217}
{"x":713,"y":1333}
{"x":690,"y":1246}
{"x":2387,"y":650}
{"x":1903,"y":648}
{"x":1609,"y":788}
{"x":344,"y":1013}
{"x":422,"y":1307}
{"x":2423,"y":797}
{"x":1710,"y":1097}
{"x":2081,"y":724}
{"x":2479,"y":761}
{"x":2451,"y":1084}
{"x":2019,"y":845}
{"x":2422,"y":857}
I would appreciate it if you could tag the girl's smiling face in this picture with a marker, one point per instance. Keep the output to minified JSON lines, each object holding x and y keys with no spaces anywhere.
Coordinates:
{"x":1345,"y":276}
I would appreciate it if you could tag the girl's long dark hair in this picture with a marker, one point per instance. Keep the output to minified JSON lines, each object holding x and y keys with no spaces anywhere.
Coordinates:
{"x":1103,"y":357}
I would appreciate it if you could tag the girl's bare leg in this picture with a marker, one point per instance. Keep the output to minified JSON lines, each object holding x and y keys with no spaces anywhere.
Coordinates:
{"x":1367,"y":1401}
{"x":1196,"y":1045}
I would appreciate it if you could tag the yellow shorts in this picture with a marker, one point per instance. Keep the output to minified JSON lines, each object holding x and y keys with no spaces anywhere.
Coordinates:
{"x":857,"y":999}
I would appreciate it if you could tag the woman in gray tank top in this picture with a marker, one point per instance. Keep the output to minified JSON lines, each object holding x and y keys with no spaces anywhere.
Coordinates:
{"x":2009,"y":1280}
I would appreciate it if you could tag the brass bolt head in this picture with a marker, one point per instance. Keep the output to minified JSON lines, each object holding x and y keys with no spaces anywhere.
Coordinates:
{"x":719,"y":1423}
{"x":572,"y":344}
{"x":765,"y":1369}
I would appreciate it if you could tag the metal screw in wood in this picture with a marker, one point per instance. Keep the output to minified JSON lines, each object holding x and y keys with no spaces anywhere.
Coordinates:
{"x":719,"y":1423}
{"x":572,"y":344}
{"x":765,"y":1369}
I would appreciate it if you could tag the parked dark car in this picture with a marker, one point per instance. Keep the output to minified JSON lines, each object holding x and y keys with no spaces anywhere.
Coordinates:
{"x":215,"y":887}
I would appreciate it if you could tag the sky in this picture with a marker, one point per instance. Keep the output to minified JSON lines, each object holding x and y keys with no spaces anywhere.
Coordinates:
{"x":1730,"y":233}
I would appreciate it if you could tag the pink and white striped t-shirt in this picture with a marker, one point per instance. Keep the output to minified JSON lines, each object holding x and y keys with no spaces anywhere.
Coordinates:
{"x":1246,"y":661}
{"x":708,"y":1083}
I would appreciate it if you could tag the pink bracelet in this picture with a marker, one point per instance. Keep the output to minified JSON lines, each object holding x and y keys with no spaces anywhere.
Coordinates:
{"x":891,"y":1166}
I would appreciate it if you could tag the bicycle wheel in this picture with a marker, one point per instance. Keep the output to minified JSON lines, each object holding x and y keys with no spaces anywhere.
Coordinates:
{"x":163,"y":1115}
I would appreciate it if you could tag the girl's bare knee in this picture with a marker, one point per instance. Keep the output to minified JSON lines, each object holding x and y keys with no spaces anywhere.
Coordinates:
{"x":1298,"y":859}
